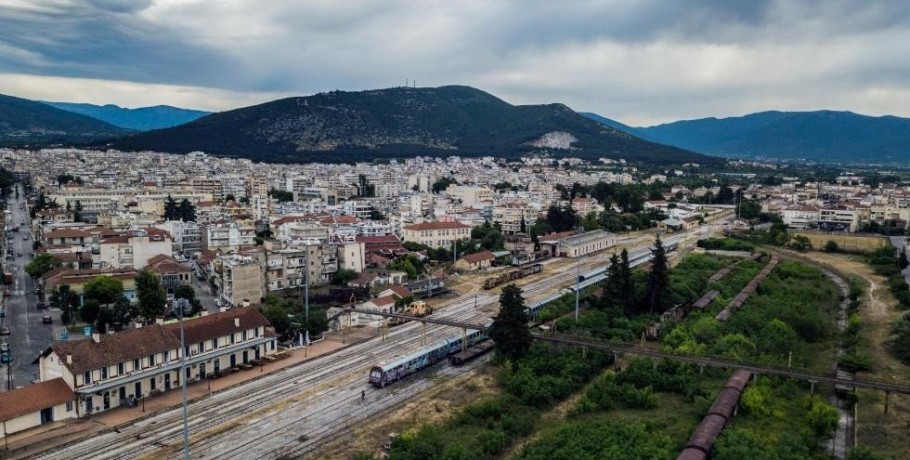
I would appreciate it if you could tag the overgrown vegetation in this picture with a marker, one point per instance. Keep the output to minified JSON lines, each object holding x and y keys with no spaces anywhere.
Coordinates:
{"x":487,"y":428}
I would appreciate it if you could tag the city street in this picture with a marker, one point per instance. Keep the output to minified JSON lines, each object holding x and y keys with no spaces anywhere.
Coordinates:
{"x":28,"y":336}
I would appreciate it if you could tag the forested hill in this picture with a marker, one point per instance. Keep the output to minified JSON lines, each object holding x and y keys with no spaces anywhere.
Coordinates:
{"x":821,"y":135}
{"x":28,"y":122}
{"x":401,"y":122}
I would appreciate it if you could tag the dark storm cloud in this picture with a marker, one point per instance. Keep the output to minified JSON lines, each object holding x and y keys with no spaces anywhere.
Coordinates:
{"x":645,"y":60}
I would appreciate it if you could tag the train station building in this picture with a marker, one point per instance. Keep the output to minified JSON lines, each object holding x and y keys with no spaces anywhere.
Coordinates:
{"x":112,"y":370}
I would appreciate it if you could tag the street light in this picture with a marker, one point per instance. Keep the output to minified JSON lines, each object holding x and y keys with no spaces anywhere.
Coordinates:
{"x":181,"y":304}
{"x":577,"y":283}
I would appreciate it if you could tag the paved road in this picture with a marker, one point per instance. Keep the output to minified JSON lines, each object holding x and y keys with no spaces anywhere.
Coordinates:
{"x":28,"y":335}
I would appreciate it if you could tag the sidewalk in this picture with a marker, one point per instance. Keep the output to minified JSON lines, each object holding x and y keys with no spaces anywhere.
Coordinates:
{"x":53,"y":435}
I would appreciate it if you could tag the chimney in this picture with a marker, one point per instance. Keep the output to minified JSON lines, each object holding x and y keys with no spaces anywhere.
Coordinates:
{"x":69,"y":359}
{"x":96,"y":337}
{"x":236,"y":321}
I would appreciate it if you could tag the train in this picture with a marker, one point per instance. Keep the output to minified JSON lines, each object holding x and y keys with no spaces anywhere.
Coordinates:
{"x":512,"y":275}
{"x":721,"y":412}
{"x":384,"y":374}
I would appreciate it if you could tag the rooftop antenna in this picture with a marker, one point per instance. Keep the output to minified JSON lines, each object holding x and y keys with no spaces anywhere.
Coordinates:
{"x":406,"y":83}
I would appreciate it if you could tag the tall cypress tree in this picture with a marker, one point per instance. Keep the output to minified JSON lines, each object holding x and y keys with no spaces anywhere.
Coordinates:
{"x":510,"y":332}
{"x":626,"y":288}
{"x":657,"y":296}
{"x":613,"y":286}
{"x":170,"y":208}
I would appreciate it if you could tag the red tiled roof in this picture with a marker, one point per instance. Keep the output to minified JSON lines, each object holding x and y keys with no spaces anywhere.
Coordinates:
{"x":115,"y":348}
{"x":400,"y":291}
{"x":383,"y":301}
{"x":478,"y":257}
{"x":67,"y":233}
{"x":218,"y":324}
{"x":33,"y":398}
{"x":436,"y":226}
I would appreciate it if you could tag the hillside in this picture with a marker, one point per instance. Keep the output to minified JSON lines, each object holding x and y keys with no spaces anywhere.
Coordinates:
{"x":822,"y":135}
{"x":26,"y":122}
{"x":141,"y":119}
{"x":400,"y":122}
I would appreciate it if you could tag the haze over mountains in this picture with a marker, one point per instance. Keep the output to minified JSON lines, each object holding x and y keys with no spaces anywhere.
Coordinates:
{"x":821,"y":135}
{"x":140,"y":119}
{"x":400,"y":122}
{"x":26,"y":122}
{"x":449,"y":120}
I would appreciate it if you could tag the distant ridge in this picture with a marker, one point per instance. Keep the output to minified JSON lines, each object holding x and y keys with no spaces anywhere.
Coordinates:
{"x":400,"y":122}
{"x":821,"y":135}
{"x":140,"y":119}
{"x":25,"y":122}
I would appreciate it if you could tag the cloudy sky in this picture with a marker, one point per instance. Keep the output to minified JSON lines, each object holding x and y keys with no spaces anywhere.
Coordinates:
{"x":638,"y":61}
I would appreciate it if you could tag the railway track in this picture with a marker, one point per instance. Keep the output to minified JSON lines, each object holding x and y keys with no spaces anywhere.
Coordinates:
{"x":297,"y":409}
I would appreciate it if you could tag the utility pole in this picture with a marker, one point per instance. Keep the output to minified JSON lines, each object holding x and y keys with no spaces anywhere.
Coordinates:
{"x":577,"y":284}
{"x":186,"y":432}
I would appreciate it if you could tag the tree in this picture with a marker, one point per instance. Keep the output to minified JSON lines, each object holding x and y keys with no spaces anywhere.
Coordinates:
{"x":831,"y":246}
{"x":613,"y":284}
{"x":725,"y":195}
{"x":626,"y":285}
{"x":375,"y":214}
{"x":343,"y":276}
{"x":822,"y":419}
{"x":103,"y":289}
{"x":186,"y":211}
{"x":561,"y":218}
{"x":170,"y":208}
{"x":90,"y":311}
{"x":230,"y":197}
{"x":443,"y":183}
{"x":281,"y":195}
{"x":902,"y":261}
{"x":657,"y":292}
{"x":77,"y":212}
{"x":152,"y":296}
{"x":278,"y":317}
{"x":185,"y":291}
{"x":510,"y":332}
{"x":41,"y":264}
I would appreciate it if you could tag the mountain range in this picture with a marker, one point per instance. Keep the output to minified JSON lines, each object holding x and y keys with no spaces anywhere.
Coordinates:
{"x":25,"y":122}
{"x":401,"y":122}
{"x":821,"y":135}
{"x":140,"y":119}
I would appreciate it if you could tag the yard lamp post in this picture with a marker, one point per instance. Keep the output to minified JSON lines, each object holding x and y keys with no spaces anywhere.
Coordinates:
{"x":181,"y":304}
{"x":577,"y":283}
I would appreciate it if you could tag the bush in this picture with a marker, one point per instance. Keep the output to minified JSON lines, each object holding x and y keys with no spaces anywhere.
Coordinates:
{"x":725,"y":244}
{"x":831,"y":246}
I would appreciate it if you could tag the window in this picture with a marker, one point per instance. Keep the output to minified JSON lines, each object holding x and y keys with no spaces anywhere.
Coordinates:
{"x":151,"y":360}
{"x":119,"y":368}
{"x":214,"y":344}
{"x":135,"y":364}
{"x":104,"y":372}
{"x":232,"y":338}
{"x":87,"y":378}
{"x":244,"y":335}
{"x":69,"y":406}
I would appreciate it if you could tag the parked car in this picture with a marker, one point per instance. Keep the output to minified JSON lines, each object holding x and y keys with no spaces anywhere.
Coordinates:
{"x":4,"y":330}
{"x":46,"y":319}
{"x":41,"y":305}
{"x":7,"y":293}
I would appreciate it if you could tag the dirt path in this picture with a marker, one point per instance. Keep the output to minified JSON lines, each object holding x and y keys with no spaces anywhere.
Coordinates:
{"x":883,"y":433}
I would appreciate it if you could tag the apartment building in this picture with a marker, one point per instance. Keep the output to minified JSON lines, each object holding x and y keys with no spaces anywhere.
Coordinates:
{"x":187,"y":236}
{"x":227,"y":236}
{"x":108,"y":371}
{"x":135,"y":248}
{"x":171,"y":273}
{"x":838,"y":219}
{"x":510,"y":218}
{"x":800,"y":217}
{"x":470,"y":196}
{"x":436,"y":234}
{"x":239,"y":278}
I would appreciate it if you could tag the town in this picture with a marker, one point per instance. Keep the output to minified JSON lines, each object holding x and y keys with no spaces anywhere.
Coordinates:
{"x":114,"y":260}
